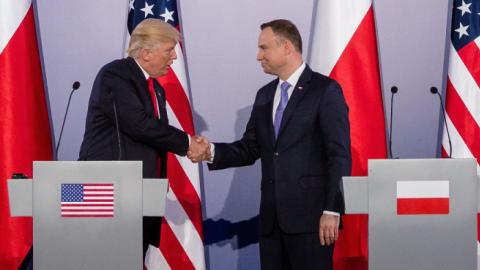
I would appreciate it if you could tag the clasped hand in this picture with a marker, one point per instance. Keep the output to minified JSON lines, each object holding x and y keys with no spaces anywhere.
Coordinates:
{"x":199,"y":149}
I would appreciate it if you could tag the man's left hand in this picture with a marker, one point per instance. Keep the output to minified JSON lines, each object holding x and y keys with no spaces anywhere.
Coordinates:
{"x":328,"y":229}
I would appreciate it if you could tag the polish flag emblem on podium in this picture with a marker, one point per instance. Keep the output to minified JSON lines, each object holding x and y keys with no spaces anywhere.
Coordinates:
{"x":423,"y":197}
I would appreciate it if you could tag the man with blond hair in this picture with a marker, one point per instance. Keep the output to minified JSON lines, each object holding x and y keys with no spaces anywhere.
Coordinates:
{"x":127,"y":117}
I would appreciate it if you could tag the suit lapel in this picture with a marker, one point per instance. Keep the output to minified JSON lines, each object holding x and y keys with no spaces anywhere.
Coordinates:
{"x":142,"y":85}
{"x":295,"y":98}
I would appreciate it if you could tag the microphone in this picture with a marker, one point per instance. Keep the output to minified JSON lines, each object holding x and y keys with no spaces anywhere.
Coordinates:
{"x":117,"y":126}
{"x":75,"y":86}
{"x":434,"y":91}
{"x":394,"y":90}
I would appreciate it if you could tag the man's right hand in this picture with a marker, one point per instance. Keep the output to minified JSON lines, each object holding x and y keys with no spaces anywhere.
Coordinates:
{"x":199,"y":149}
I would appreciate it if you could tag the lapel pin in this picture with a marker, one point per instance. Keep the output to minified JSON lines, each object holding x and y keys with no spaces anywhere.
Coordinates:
{"x":300,"y":88}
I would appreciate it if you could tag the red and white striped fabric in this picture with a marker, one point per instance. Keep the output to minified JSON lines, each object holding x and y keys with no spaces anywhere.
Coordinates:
{"x":24,"y":124}
{"x":423,"y":197}
{"x":181,"y":240}
{"x":343,"y":46}
{"x":462,"y":101}
{"x":463,"y":92}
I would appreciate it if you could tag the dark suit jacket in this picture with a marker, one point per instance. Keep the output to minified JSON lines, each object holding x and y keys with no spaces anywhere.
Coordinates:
{"x":302,"y":169}
{"x":143,"y":136}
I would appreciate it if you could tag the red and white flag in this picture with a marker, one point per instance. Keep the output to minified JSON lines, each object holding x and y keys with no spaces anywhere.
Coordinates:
{"x":87,"y":200}
{"x":423,"y":198}
{"x":343,"y":46}
{"x":462,"y":101}
{"x":463,"y":92}
{"x":181,"y":241}
{"x":24,"y":124}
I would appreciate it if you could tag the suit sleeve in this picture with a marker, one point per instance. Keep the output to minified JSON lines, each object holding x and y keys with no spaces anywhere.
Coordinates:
{"x":134,"y":121}
{"x":243,"y":152}
{"x":334,"y":123}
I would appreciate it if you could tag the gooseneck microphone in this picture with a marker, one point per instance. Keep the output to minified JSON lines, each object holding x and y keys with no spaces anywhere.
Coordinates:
{"x":117,"y":126}
{"x":75,"y":86}
{"x":434,"y":91}
{"x":394,"y":90}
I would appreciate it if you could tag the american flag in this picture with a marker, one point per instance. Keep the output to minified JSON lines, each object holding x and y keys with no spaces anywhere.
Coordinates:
{"x":463,"y":93}
{"x":87,"y":200}
{"x":181,"y":241}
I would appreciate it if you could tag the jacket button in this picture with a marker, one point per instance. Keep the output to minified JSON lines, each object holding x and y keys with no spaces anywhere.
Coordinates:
{"x":276,"y":153}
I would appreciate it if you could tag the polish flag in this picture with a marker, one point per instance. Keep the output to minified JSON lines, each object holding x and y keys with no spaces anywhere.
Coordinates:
{"x":423,"y":198}
{"x":343,"y":47}
{"x":24,"y":124}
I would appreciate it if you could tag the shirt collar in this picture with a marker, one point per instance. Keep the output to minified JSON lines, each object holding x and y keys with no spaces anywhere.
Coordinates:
{"x":293,"y":79}
{"x":143,"y":70}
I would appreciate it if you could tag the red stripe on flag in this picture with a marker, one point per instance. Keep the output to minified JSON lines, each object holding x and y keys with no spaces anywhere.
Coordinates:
{"x":463,"y":121}
{"x":86,"y":216}
{"x":470,"y":55}
{"x":185,"y":192}
{"x":444,"y":153}
{"x":88,"y":210}
{"x":24,"y":128}
{"x":99,"y":205}
{"x":172,"y":250}
{"x":478,"y":226}
{"x":357,"y":72}
{"x":423,"y":206}
{"x":178,"y":100}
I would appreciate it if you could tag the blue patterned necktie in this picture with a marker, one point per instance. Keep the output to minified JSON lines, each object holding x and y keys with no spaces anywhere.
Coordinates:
{"x":281,"y":107}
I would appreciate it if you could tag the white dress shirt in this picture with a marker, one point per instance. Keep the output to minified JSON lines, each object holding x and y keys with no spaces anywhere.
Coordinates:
{"x":147,"y":77}
{"x":292,"y":80}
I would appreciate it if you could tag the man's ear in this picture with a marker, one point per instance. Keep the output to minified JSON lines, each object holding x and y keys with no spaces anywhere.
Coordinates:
{"x":144,"y":54}
{"x":288,"y":47}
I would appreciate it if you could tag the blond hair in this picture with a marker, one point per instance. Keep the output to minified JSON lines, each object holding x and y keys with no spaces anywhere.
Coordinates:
{"x":149,"y":33}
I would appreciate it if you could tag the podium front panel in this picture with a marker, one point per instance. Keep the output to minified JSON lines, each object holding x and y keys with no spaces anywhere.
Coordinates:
{"x":87,"y":215}
{"x":422,"y":214}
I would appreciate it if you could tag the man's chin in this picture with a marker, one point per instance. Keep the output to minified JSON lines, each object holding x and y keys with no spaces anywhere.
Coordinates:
{"x":162,"y":73}
{"x":268,"y":71}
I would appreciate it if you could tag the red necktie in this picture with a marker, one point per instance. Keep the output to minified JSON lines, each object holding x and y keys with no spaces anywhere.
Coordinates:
{"x":153,"y":96}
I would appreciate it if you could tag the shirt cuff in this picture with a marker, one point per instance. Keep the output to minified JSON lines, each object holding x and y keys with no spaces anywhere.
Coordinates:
{"x":331,"y":213}
{"x":212,"y":152}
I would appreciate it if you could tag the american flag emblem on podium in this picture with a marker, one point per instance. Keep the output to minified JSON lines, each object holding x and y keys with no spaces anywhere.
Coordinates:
{"x":87,"y":200}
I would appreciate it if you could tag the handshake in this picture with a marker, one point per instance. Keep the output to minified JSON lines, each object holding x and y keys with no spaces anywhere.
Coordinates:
{"x":199,"y":149}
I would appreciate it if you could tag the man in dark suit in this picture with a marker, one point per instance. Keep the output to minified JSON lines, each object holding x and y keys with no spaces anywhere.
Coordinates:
{"x":127,"y":117}
{"x":299,"y":129}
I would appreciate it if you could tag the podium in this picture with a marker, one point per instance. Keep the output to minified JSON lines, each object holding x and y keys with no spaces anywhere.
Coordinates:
{"x":422,"y":213}
{"x":87,"y":214}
